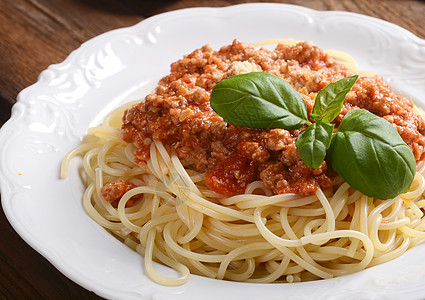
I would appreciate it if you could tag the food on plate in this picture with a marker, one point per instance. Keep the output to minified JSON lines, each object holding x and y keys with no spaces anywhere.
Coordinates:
{"x":260,"y":201}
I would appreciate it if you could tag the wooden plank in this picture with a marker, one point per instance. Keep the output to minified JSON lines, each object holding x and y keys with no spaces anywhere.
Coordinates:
{"x":35,"y":34}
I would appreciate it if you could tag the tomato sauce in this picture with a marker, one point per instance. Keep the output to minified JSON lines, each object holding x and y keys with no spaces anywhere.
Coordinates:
{"x":113,"y":191}
{"x":179,"y":114}
{"x":231,"y":175}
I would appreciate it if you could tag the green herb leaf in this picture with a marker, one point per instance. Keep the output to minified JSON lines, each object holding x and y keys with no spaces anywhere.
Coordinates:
{"x":365,"y":150}
{"x":329,"y":100}
{"x":370,"y":155}
{"x":313,"y":142}
{"x":259,"y":100}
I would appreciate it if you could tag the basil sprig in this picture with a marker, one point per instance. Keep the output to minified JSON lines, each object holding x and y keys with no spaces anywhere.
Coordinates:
{"x":313,"y":142}
{"x":329,"y":101}
{"x":259,"y":100}
{"x":371,"y":156}
{"x":365,"y":150}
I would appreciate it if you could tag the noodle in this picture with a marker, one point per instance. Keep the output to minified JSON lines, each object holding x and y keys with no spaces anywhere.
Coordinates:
{"x":253,"y":237}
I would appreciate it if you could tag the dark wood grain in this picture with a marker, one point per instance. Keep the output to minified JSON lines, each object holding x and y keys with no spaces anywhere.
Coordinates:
{"x":37,"y":33}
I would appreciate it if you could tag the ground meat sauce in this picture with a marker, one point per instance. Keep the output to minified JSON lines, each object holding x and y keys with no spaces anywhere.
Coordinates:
{"x":179,"y":114}
{"x":113,"y":191}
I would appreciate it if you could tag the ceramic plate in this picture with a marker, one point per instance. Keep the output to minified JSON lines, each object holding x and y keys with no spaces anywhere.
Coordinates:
{"x":51,"y":117}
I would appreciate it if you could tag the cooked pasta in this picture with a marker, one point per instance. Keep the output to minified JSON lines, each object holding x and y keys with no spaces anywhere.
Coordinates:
{"x":253,"y":237}
{"x":169,"y":214}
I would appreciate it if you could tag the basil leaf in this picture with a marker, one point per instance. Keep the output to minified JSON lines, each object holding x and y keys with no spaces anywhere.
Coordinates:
{"x":259,"y":100}
{"x":330,"y":99}
{"x":370,"y":155}
{"x":313,"y":142}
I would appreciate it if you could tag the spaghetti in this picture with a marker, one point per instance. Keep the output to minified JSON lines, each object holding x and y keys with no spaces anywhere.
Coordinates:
{"x":254,"y":237}
{"x":257,"y":236}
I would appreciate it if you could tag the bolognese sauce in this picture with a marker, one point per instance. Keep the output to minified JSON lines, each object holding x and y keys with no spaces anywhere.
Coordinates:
{"x":114,"y":190}
{"x":179,"y":114}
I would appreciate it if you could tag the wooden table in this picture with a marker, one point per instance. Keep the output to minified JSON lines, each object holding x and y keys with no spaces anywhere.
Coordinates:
{"x":37,"y":33}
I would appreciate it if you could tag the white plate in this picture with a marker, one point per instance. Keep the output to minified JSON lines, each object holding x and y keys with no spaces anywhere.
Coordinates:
{"x":52,"y":116}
